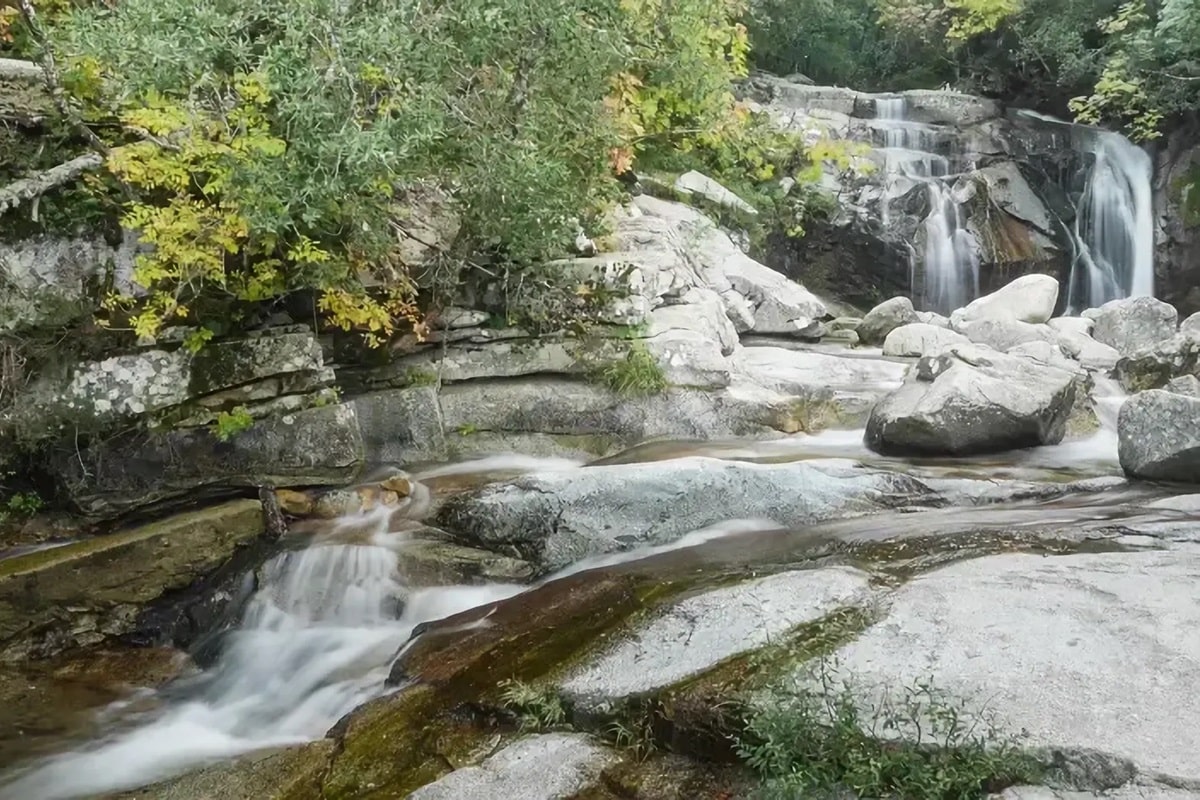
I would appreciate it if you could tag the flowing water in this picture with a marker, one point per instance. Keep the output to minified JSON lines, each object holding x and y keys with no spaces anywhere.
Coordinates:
{"x":1113,"y":231}
{"x":1114,"y":225}
{"x":316,"y":640}
{"x":945,"y":273}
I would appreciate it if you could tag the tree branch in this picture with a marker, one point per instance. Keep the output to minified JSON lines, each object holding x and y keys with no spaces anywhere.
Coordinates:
{"x":36,"y":185}
{"x":53,"y":81}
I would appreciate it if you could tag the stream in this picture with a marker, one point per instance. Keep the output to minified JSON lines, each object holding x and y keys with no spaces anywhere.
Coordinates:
{"x":329,"y":615}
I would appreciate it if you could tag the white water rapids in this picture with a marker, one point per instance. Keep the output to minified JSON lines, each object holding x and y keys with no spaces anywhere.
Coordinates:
{"x":316,"y":641}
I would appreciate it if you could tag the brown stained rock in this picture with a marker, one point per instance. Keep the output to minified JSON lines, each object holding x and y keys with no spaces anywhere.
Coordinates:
{"x":400,"y":484}
{"x":579,"y":611}
{"x":294,"y":503}
{"x":82,"y":593}
{"x":43,"y":702}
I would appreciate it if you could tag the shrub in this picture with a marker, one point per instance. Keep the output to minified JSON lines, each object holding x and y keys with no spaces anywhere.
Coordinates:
{"x":637,"y":374}
{"x":818,"y":736}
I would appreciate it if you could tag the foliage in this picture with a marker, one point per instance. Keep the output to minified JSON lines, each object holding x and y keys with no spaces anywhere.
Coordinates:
{"x":24,"y":504}
{"x":1151,"y":67}
{"x":537,"y":707}
{"x":819,"y":735}
{"x":635,"y":733}
{"x":635,"y":375}
{"x":262,"y":147}
{"x":230,"y":423}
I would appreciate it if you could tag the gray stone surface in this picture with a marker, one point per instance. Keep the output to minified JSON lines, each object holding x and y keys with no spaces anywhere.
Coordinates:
{"x":885,"y":318}
{"x":970,"y":399}
{"x":1151,"y":367}
{"x":555,"y":519}
{"x":1128,"y":792}
{"x":697,"y":183}
{"x":1191,"y":324}
{"x":1133,"y":324}
{"x":1030,"y":298}
{"x":319,"y":446}
{"x":1087,"y":351}
{"x":699,"y":632}
{"x":401,"y":426}
{"x":1091,"y":651}
{"x":1159,"y":436}
{"x":552,"y":766}
{"x":1186,"y":384}
{"x":919,"y":338}
{"x":1005,"y":334}
{"x":1073,"y":325}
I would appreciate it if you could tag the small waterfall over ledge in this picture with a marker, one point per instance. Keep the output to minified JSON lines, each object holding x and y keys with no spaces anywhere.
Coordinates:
{"x":316,"y":641}
{"x":945,"y":272}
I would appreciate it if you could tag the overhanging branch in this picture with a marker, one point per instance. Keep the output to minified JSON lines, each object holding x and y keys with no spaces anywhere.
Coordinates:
{"x":38,"y":184}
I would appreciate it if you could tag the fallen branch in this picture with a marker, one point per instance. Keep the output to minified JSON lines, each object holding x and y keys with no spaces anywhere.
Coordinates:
{"x":35,"y":186}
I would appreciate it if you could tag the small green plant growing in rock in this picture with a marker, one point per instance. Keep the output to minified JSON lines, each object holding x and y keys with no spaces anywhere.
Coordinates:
{"x":231,"y":423}
{"x":21,"y":505}
{"x":468,"y":429}
{"x":537,"y":707}
{"x":817,"y":735}
{"x":415,"y":376}
{"x":635,"y":375}
{"x":635,"y":734}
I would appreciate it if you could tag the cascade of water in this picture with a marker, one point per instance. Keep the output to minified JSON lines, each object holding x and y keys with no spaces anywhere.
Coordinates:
{"x":945,"y":274}
{"x":1114,"y":226}
{"x":316,"y":641}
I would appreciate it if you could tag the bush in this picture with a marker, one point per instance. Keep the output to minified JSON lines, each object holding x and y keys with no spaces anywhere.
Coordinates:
{"x":635,"y":375}
{"x":262,"y":146}
{"x":818,"y":737}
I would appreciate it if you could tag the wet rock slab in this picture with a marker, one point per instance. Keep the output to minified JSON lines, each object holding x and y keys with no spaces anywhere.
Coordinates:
{"x":281,"y":774}
{"x":700,"y":632}
{"x":1094,"y":651}
{"x":544,"y":767}
{"x":79,"y":594}
{"x":558,"y":518}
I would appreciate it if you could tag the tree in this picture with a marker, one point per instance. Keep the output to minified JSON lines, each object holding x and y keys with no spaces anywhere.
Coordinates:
{"x":264,"y":147}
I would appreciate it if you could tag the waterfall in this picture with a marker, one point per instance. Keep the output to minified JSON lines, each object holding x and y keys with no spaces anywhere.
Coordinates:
{"x":1114,"y":225}
{"x":316,"y":641}
{"x":944,"y":275}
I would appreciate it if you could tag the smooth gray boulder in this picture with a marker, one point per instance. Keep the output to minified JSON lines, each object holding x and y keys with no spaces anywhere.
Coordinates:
{"x":1191,"y":324}
{"x":1082,"y":325}
{"x":1159,"y":436}
{"x":1095,"y":651}
{"x":699,"y":184}
{"x":1133,"y":324}
{"x":1186,"y":384}
{"x":969,"y":400}
{"x":885,"y":318}
{"x":696,"y":634}
{"x":1044,"y":353}
{"x":1087,"y":351}
{"x":1152,"y":367}
{"x":1005,"y":334}
{"x":551,"y":766}
{"x":918,"y":338}
{"x":557,"y":518}
{"x":1030,"y":298}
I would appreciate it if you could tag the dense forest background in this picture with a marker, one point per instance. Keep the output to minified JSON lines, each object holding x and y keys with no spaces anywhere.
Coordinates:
{"x":270,"y":148}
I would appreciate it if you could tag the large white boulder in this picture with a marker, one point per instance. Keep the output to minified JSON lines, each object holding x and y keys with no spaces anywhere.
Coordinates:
{"x":919,"y":338}
{"x":1030,"y":298}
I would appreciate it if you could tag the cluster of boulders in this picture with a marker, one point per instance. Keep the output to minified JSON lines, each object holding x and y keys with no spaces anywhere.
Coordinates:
{"x":1003,"y":373}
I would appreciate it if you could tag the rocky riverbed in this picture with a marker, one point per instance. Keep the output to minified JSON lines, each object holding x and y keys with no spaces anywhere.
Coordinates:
{"x":468,"y":568}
